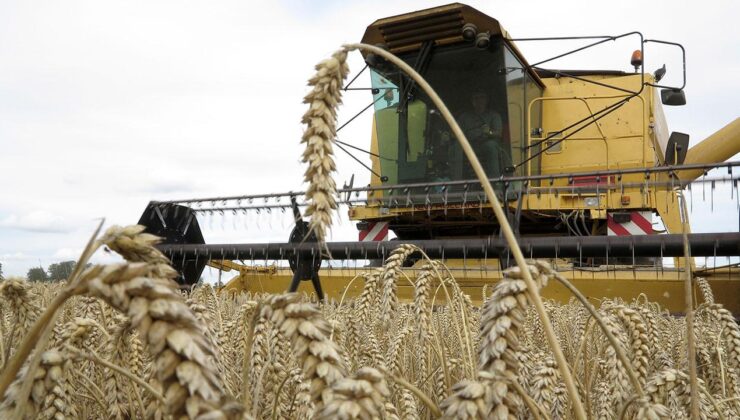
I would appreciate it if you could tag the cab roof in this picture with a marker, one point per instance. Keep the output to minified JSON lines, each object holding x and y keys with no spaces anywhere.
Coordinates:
{"x":443,"y":25}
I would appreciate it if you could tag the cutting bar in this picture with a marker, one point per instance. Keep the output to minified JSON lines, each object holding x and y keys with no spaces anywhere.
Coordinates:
{"x":669,"y":245}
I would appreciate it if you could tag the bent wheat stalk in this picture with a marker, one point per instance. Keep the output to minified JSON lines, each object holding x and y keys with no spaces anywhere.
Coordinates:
{"x":500,"y":216}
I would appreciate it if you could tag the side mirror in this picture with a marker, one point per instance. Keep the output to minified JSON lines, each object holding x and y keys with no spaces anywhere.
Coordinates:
{"x":672,"y":97}
{"x":675,"y":151}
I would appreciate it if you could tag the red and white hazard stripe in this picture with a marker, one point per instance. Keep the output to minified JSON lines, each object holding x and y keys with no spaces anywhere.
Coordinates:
{"x":376,"y":231}
{"x":640,"y":223}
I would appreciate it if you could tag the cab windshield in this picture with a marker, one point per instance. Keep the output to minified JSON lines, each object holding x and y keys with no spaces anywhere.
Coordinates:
{"x":486,"y":92}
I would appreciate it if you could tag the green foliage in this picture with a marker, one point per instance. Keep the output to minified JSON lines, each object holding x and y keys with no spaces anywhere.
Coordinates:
{"x":37,"y":274}
{"x":61,"y":271}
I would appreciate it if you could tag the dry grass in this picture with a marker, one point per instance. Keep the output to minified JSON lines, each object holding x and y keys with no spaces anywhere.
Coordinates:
{"x":130,"y":345}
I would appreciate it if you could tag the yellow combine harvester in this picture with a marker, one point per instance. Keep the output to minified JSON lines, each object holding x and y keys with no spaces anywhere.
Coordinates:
{"x":582,"y":159}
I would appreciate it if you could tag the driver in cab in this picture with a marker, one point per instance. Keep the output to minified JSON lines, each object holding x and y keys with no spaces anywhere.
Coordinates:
{"x":483,"y":128}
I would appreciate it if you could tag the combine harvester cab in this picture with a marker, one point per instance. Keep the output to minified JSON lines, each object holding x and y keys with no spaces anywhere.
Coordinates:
{"x":583,"y":161}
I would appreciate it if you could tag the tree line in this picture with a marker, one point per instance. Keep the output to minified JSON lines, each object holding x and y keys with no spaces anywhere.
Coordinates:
{"x":57,"y":271}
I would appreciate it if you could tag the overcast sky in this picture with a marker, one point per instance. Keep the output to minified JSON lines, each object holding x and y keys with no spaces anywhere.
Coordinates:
{"x":106,"y":105}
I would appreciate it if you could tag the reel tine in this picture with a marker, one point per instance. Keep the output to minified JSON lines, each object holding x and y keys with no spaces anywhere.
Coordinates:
{"x":485,"y":260}
{"x":598,"y":181}
{"x":444,"y":200}
{"x":465,"y":261}
{"x":737,"y":198}
{"x":606,"y":248}
{"x":673,"y":196}
{"x":465,"y":198}
{"x":428,"y":202}
{"x":409,"y":202}
{"x":196,"y":260}
{"x":733,"y":185}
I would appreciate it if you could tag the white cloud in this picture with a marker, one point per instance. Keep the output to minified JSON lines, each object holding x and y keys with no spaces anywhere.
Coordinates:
{"x":107,"y":105}
{"x":16,"y":256}
{"x":37,"y":221}
{"x":65,"y":254}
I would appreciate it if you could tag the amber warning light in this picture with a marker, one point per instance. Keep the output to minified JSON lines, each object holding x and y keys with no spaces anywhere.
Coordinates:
{"x":636,"y":60}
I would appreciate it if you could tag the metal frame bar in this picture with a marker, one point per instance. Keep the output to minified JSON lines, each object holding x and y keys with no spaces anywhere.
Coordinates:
{"x":671,"y":245}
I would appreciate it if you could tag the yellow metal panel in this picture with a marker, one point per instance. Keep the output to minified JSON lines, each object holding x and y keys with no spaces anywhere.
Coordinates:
{"x":662,"y":286}
{"x":617,"y":140}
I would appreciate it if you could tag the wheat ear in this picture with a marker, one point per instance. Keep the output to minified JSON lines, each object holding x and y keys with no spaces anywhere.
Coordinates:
{"x":147,"y":294}
{"x":638,"y":338}
{"x":706,"y":290}
{"x":308,"y":332}
{"x":369,"y":297}
{"x":320,"y":120}
{"x":115,"y":388}
{"x":393,"y":265}
{"x":48,"y":397}
{"x":23,"y":304}
{"x":729,"y":330}
{"x":360,"y":397}
{"x":469,"y":400}
{"x":547,"y":389}
{"x":502,"y":319}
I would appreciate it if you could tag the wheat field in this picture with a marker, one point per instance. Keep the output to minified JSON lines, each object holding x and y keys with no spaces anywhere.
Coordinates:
{"x":127,"y":343}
